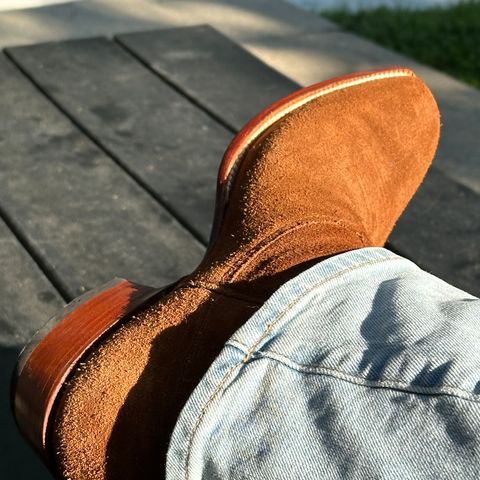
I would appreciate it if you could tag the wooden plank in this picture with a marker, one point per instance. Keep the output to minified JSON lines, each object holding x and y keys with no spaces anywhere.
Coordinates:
{"x":226,"y":79}
{"x":76,"y":208}
{"x":169,"y":144}
{"x":78,"y":211}
{"x":434,"y":244}
{"x":156,"y":46}
{"x":27,"y":300}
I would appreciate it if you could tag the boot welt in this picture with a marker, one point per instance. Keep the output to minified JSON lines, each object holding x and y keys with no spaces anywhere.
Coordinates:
{"x":57,"y":350}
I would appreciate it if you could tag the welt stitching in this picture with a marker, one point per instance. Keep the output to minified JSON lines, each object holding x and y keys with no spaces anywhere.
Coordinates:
{"x":222,"y":290}
{"x":203,"y":412}
{"x":268,"y":241}
{"x":289,"y":307}
{"x":309,"y":97}
{"x":262,"y":245}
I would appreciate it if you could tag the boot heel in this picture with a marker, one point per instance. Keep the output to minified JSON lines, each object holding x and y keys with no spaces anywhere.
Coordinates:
{"x":53,"y":353}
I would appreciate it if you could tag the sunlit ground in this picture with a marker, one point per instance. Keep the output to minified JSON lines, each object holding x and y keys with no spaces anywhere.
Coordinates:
{"x":21,"y":4}
{"x":445,"y":38}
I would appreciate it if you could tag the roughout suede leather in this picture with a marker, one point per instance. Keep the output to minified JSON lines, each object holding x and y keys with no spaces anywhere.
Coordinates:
{"x":332,"y":176}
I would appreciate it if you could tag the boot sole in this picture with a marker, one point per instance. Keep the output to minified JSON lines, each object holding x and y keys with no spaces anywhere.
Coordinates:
{"x":56,"y":351}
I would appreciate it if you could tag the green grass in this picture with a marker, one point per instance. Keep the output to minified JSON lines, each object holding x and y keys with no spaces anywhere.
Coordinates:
{"x":446,"y":38}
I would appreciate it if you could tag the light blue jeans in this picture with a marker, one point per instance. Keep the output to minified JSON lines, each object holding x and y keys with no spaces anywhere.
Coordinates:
{"x":362,"y":367}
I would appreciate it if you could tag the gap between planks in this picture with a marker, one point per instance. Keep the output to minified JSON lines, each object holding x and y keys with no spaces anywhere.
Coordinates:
{"x":91,"y":136}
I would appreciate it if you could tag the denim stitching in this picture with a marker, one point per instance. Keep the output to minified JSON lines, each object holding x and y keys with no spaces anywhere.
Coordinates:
{"x":386,"y":383}
{"x":203,"y":411}
{"x":267,"y":330}
{"x":289,"y":307}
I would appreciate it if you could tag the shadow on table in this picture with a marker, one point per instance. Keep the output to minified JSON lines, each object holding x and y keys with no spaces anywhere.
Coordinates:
{"x":19,"y":462}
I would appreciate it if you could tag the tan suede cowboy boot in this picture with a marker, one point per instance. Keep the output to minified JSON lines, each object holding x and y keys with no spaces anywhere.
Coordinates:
{"x":328,"y":169}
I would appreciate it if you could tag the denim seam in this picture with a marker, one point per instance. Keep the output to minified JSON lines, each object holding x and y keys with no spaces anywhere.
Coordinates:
{"x":271,"y":325}
{"x":265,"y":334}
{"x":203,"y":411}
{"x":359,"y":379}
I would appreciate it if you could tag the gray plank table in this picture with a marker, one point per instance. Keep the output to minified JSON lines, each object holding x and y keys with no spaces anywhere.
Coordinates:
{"x":108,"y":159}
